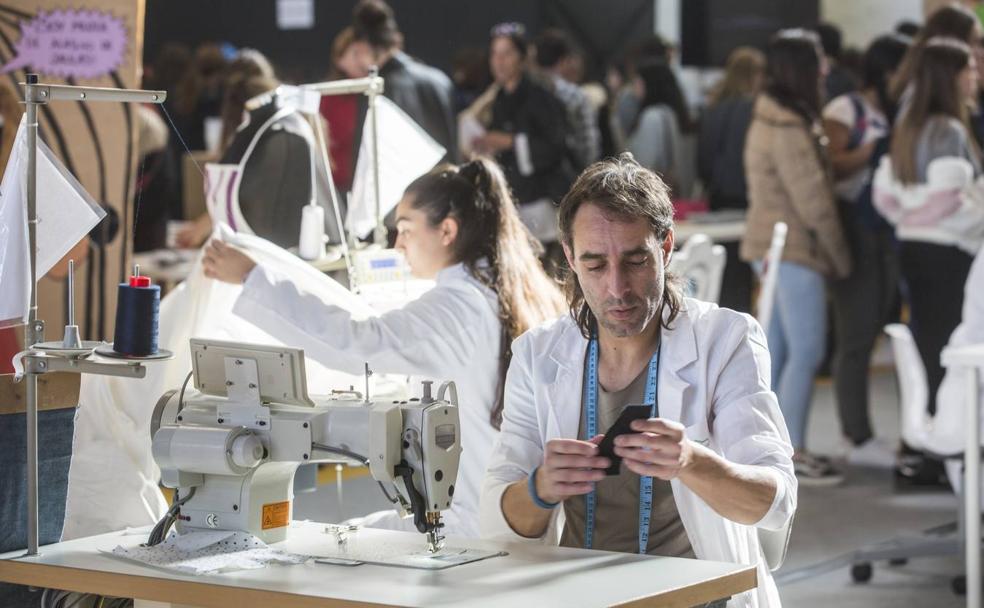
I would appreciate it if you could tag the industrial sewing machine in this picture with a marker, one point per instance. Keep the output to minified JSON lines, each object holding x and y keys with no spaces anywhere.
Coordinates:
{"x":230,"y":447}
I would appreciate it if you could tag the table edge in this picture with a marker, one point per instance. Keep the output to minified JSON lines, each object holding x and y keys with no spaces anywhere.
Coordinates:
{"x":691,"y":595}
{"x":142,"y":587}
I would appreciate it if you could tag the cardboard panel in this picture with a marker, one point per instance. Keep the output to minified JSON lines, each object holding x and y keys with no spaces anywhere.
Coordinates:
{"x":92,"y":43}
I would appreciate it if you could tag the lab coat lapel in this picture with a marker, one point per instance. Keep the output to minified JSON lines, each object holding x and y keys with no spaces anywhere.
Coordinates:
{"x":565,"y":392}
{"x":679,"y":351}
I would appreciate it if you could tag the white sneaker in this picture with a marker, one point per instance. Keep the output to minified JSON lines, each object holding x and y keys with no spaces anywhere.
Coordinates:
{"x":876,"y":453}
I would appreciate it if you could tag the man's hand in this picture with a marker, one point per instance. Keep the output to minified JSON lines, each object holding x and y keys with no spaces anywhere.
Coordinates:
{"x":493,"y":142}
{"x":226,"y":263}
{"x":658,"y":448}
{"x":194,"y":233}
{"x":570,"y":468}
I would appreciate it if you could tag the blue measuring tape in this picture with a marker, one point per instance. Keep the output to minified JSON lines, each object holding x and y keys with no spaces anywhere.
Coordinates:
{"x":645,"y":482}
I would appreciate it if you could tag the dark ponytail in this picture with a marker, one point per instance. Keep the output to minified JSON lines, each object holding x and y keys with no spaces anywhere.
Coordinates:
{"x":495,"y":247}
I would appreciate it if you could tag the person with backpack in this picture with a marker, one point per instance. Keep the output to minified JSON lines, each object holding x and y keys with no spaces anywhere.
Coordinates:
{"x":858,"y":126}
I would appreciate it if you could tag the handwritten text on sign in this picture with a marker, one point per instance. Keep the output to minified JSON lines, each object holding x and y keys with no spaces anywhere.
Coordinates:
{"x":64,"y":44}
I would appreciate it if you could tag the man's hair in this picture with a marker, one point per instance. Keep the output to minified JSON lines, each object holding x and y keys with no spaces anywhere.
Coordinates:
{"x":552,"y":46}
{"x":830,"y":40}
{"x":622,"y":188}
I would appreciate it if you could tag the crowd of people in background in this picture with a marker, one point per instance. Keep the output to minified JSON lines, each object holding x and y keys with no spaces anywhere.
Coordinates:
{"x":864,"y":154}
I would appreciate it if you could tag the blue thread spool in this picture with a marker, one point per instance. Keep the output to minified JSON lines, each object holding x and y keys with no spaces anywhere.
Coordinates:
{"x":137,"y":312}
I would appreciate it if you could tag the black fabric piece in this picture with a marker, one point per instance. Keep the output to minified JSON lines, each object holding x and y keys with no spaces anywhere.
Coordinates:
{"x":276,"y":181}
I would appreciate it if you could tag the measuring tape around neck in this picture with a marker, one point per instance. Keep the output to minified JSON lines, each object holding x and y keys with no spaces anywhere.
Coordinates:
{"x":591,"y":407}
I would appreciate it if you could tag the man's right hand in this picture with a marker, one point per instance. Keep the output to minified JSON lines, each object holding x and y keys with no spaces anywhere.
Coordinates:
{"x":570,"y":468}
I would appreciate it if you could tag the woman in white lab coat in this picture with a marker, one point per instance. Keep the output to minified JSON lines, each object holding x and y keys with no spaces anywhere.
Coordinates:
{"x":458,"y":226}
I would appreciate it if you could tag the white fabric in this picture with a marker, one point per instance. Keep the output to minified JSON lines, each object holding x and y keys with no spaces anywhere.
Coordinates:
{"x":209,"y":553}
{"x":406,"y":152}
{"x":713,"y":378}
{"x":947,"y":434}
{"x":452,"y":332}
{"x":962,"y":227}
{"x":841,"y":109}
{"x":524,"y":157}
{"x":113,"y":478}
{"x":66,"y":213}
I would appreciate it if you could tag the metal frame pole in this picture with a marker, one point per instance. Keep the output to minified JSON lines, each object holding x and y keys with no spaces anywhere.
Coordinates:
{"x":35,"y":94}
{"x":972,"y":490}
{"x":379,"y":235}
{"x":34,"y":332}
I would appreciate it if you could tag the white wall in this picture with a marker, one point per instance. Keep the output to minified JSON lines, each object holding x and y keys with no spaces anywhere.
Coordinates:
{"x":861,"y":21}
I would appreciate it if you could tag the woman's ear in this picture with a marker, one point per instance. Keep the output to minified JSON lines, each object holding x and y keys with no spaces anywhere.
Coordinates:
{"x":449,"y":231}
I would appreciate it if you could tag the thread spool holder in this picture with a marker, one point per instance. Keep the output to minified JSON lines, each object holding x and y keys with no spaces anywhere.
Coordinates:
{"x":36,"y":361}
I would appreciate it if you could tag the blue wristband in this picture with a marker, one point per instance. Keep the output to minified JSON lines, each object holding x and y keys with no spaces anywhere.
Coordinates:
{"x":531,"y":486}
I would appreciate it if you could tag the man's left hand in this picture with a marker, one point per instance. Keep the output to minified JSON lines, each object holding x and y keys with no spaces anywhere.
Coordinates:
{"x":658,"y":448}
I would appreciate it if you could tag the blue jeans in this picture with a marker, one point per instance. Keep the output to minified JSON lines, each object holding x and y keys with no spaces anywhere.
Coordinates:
{"x":797,"y":336}
{"x":56,"y":430}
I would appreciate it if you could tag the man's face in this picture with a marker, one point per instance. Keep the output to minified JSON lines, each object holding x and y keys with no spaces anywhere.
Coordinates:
{"x":621,"y":267}
{"x":505,"y":62}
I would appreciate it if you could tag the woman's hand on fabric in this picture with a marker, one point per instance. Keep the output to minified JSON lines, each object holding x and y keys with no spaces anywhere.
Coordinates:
{"x":226,"y":263}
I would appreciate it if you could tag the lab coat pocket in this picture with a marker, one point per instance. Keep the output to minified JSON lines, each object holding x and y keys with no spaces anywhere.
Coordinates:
{"x":698,"y":433}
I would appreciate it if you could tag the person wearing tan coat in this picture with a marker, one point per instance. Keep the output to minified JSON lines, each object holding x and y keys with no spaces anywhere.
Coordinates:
{"x":788,"y":181}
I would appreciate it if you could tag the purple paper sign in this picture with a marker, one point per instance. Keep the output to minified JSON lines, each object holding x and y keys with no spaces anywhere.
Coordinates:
{"x":80,"y":44}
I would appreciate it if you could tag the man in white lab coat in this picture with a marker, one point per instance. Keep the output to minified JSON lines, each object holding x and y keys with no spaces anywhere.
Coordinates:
{"x":711,"y":465}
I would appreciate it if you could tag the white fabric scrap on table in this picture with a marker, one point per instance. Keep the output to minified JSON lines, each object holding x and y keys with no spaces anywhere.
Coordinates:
{"x":209,"y":553}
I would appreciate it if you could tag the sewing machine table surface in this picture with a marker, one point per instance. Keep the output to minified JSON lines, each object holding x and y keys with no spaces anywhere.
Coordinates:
{"x":530,"y":575}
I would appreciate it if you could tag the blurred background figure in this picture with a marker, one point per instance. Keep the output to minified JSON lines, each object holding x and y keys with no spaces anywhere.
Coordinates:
{"x":858,"y":127}
{"x":557,"y":57}
{"x":656,"y":136}
{"x":341,"y":112}
{"x":720,"y":150}
{"x":840,"y":78}
{"x":788,"y":181}
{"x":423,"y":92}
{"x":527,"y":133}
{"x":934,"y":158}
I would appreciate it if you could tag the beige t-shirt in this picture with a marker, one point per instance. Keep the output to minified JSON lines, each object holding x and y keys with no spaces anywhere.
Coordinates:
{"x":617,"y":496}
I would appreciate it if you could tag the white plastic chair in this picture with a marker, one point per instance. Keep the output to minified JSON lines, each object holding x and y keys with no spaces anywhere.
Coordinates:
{"x":917,"y":428}
{"x":701,"y":264}
{"x":913,"y":386}
{"x":770,"y":274}
{"x":774,"y":542}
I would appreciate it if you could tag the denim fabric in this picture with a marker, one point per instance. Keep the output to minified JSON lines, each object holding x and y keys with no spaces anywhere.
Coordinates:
{"x":56,"y":429}
{"x":797,"y":336}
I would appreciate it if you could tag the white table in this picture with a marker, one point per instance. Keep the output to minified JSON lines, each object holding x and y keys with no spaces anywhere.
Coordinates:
{"x":531,"y":575}
{"x":972,"y":358}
